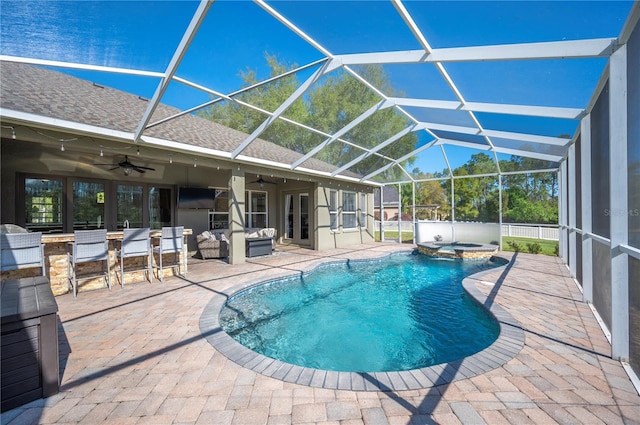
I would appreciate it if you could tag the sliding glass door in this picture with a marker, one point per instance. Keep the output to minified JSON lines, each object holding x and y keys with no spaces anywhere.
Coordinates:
{"x":297,"y":223}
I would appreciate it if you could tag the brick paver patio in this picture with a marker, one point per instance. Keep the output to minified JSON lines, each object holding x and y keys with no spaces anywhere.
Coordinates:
{"x":137,"y":356}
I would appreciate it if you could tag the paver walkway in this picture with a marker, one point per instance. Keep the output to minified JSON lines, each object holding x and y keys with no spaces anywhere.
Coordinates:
{"x":136,"y":356}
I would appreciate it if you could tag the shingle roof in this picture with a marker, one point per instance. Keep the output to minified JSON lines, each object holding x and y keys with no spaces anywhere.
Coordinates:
{"x":35,"y":90}
{"x":389,"y":196}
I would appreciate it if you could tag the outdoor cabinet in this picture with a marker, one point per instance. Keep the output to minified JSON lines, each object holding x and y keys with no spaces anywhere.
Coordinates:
{"x":29,"y":351}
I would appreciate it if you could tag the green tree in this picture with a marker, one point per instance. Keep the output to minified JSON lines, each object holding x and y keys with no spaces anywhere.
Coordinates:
{"x":334,"y":101}
{"x":476,"y":198}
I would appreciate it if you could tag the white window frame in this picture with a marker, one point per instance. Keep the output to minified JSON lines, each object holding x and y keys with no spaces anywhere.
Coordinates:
{"x":250,"y":214}
{"x":213,"y":212}
{"x":333,"y":210}
{"x":351,"y":212}
{"x":363,"y":210}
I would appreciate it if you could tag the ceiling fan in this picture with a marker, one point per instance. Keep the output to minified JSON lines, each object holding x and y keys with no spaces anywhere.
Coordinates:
{"x":262,"y":182}
{"x":128,"y":166}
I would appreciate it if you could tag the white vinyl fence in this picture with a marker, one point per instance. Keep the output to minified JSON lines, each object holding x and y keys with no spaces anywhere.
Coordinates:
{"x":534,"y":231}
{"x":406,"y":228}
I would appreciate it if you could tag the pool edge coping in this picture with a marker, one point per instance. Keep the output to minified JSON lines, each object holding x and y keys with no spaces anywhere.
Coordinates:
{"x":507,"y":345}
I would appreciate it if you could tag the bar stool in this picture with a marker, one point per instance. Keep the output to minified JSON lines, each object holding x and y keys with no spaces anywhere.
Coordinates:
{"x":135,"y":243}
{"x":88,"y":246}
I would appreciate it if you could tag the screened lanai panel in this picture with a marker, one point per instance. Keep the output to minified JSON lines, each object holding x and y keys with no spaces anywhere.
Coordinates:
{"x":467,"y":207}
{"x":405,"y":145}
{"x":291,"y":136}
{"x":364,"y":167}
{"x":468,"y":138}
{"x":515,"y":22}
{"x":468,"y":161}
{"x":600,"y":176}
{"x":601,"y":272}
{"x":512,"y":163}
{"x":633,"y":144}
{"x":96,"y":33}
{"x":440,"y":116}
{"x":413,"y":80}
{"x":634,"y":312}
{"x":541,"y":126}
{"x":335,"y":100}
{"x":181,"y":96}
{"x":534,"y":148}
{"x":377,"y":128}
{"x":557,"y":83}
{"x":355,"y":35}
{"x":233,"y":43}
{"x":233,"y":115}
{"x":429,"y":163}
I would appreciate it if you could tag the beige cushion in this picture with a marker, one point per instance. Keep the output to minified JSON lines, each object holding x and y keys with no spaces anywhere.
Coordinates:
{"x":268,"y":232}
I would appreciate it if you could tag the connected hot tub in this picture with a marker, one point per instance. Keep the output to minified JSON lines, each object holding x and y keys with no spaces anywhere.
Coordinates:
{"x":462,"y":250}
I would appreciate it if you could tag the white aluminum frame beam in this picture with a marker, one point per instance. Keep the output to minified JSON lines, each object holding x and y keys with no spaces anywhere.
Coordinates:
{"x":589,"y":48}
{"x":83,"y":67}
{"x":496,"y":108}
{"x":190,"y":33}
{"x":533,"y":138}
{"x":499,"y":149}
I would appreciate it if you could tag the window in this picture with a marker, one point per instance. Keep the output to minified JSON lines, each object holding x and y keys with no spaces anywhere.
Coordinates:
{"x":88,"y":205}
{"x":333,"y":209}
{"x":43,"y":205}
{"x":349,"y":210}
{"x":129,"y":206}
{"x":219,"y":215}
{"x":363,"y":210}
{"x":59,"y":204}
{"x":159,"y":207}
{"x":256,"y":212}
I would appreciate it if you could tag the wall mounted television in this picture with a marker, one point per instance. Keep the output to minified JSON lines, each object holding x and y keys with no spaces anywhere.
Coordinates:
{"x":196,"y":198}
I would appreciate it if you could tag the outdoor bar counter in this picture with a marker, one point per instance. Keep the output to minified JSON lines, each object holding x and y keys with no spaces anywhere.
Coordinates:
{"x":55,"y":253}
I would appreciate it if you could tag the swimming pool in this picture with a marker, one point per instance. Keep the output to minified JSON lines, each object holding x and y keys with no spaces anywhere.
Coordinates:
{"x":401,"y":313}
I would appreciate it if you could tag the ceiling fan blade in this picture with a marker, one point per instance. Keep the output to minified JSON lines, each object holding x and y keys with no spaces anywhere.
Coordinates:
{"x":145,"y":168}
{"x":138,"y":169}
{"x":114,"y":168}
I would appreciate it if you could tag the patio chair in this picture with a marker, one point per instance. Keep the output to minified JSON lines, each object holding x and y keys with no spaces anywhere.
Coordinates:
{"x":88,"y":246}
{"x":135,"y":243}
{"x":171,"y":242}
{"x":22,"y":250}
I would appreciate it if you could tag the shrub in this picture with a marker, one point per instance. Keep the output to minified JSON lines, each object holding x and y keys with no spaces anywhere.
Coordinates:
{"x":515,"y":246}
{"x":534,"y":248}
{"x":556,"y":251}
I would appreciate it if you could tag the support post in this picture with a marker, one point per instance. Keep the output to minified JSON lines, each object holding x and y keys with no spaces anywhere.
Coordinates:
{"x":382,"y":213}
{"x":236,"y":217}
{"x":500,"y":208}
{"x":413,"y":194}
{"x":453,"y":209}
{"x":585,"y":190}
{"x":399,"y":213}
{"x":618,"y":202}
{"x":571,"y":203}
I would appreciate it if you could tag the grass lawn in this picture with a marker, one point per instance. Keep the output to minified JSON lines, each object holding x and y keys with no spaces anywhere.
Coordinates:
{"x":406,"y":236}
{"x":548,"y":247}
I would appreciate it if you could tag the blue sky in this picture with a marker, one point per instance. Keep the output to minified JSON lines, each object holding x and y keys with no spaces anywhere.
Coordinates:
{"x":236,"y":35}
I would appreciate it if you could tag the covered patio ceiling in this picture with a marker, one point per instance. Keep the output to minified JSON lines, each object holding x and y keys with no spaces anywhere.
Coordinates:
{"x":510,"y":79}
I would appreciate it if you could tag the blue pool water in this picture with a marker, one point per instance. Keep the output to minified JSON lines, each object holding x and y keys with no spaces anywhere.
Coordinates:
{"x":400,"y":313}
